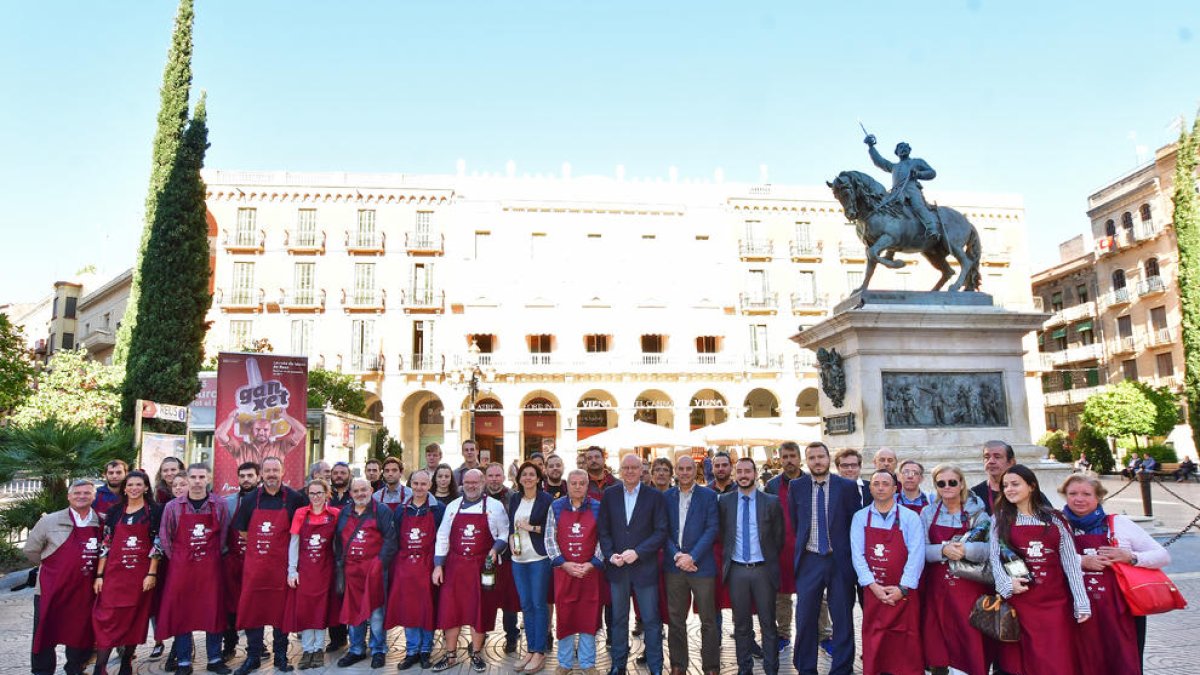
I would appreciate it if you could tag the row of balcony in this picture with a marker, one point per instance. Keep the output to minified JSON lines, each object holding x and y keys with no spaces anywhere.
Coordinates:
{"x":1084,"y":310}
{"x":596,"y":362}
{"x":1125,"y":238}
{"x":1071,"y":396}
{"x":314,"y":299}
{"x":1150,"y":286}
{"x":314,"y":242}
{"x":1156,"y":337}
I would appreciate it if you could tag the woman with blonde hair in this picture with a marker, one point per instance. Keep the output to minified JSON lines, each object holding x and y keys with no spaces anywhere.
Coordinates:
{"x":1113,"y":641}
{"x":946,"y":600}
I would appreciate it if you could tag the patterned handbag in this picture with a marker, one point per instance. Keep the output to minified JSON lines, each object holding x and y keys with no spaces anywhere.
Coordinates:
{"x":995,"y":618}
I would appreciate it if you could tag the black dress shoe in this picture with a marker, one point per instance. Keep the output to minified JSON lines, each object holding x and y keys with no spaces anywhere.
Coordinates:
{"x":350,"y":659}
{"x":616,"y":670}
{"x":282,"y":665}
{"x":183,"y":670}
{"x":377,"y":660}
{"x":248,"y":666}
{"x":172,"y":661}
{"x":333,"y":647}
{"x":219,"y":668}
{"x":426,"y":661}
{"x":641,"y":659}
{"x":157,"y":651}
{"x":756,"y":650}
{"x":408,"y":662}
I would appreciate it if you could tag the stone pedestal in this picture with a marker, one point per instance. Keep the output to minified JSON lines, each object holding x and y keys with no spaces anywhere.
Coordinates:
{"x":931,"y":375}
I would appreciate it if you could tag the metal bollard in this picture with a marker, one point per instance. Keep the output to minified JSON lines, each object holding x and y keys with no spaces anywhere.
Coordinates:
{"x":1147,"y":507}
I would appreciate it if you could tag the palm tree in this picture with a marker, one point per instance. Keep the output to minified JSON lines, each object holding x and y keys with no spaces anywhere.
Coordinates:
{"x":56,"y":452}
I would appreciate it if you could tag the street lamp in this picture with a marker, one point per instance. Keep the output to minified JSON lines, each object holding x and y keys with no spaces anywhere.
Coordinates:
{"x":471,"y":374}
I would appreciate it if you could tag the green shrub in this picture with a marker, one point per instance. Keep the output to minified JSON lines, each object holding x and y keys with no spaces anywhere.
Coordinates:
{"x":1059,"y":445}
{"x":24,"y":514}
{"x":1163,"y":454}
{"x":1095,"y":448}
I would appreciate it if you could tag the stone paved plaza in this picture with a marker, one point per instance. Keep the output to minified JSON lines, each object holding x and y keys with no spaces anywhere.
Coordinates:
{"x":1171,"y":644}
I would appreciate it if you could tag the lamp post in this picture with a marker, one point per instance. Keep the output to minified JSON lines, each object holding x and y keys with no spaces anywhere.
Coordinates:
{"x":471,"y":373}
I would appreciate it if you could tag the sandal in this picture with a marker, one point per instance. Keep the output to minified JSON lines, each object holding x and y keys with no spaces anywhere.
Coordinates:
{"x":446,"y":663}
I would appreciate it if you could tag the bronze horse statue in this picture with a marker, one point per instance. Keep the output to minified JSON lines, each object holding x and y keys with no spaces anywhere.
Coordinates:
{"x":892,"y":229}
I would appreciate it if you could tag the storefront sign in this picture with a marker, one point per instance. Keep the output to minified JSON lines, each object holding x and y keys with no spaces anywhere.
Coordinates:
{"x":708,"y":403}
{"x":836,"y":425}
{"x":488,"y":405}
{"x":539,"y":405}
{"x":590,"y":403}
{"x":645,"y":403}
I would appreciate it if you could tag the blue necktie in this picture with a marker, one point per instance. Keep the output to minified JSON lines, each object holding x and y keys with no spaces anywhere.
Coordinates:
{"x":822,"y":522}
{"x":745,"y":529}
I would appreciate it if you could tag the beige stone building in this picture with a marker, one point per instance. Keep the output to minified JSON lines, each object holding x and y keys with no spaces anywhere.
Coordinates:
{"x":580,"y":302}
{"x":100,"y":314}
{"x":1116,"y":312}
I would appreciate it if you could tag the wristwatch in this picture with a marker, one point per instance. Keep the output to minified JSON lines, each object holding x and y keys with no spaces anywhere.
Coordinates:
{"x":903,"y":592}
{"x":1134,"y":561}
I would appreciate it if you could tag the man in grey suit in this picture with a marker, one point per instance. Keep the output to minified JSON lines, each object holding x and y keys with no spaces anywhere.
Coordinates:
{"x":752,"y":534}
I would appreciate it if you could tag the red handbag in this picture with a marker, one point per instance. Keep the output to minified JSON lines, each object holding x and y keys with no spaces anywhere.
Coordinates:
{"x":1146,"y":591}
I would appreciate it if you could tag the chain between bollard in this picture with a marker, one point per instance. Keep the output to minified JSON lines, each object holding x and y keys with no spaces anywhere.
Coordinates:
{"x":1163,"y":485}
{"x":1123,"y":487}
{"x":1195,"y":523}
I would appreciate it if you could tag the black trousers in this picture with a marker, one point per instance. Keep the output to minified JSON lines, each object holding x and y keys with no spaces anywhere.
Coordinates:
{"x":46,"y":662}
{"x":750,"y":588}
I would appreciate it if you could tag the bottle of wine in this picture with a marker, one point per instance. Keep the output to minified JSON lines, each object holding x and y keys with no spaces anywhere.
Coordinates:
{"x":488,"y":579}
{"x":514,"y":542}
{"x":1014,"y":565}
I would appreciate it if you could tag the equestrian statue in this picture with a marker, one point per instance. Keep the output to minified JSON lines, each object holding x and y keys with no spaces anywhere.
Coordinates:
{"x":900,"y":221}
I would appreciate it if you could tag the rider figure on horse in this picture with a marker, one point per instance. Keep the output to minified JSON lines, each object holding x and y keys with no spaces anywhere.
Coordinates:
{"x":906,"y":186}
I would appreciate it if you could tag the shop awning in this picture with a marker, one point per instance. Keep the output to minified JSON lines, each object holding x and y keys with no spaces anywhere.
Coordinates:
{"x":1060,"y":333}
{"x":1083,"y":326}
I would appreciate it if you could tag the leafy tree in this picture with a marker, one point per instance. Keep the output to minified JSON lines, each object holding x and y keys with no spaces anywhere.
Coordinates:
{"x":1166,"y":408}
{"x":172,"y":120}
{"x":386,"y":445}
{"x":167,"y":346}
{"x":74,"y":390}
{"x":1095,"y":447}
{"x":1187,"y":233}
{"x":56,"y":451}
{"x":342,"y":392}
{"x":1124,"y":409}
{"x":1059,"y":445}
{"x":16,"y":368}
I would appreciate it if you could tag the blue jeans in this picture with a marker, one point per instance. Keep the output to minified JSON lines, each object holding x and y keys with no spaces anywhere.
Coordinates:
{"x":533,"y":581}
{"x":183,"y":648}
{"x":358,"y":635}
{"x":647,"y":598}
{"x":583,"y":656}
{"x":418,"y":641}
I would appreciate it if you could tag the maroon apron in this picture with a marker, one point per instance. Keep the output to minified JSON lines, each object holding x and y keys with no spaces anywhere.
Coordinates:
{"x":1046,"y":611}
{"x":461,"y":602}
{"x":787,"y":552}
{"x":264,"y":575}
{"x":196,"y":564}
{"x":1107,"y":642}
{"x":946,"y":603}
{"x":410,"y":598}
{"x":363,"y":572}
{"x":312,"y":605}
{"x":232,"y":564}
{"x":891,"y":640}
{"x":915,"y":508}
{"x":66,"y":599}
{"x":122,"y":613}
{"x":722,"y":593}
{"x":576,"y":535}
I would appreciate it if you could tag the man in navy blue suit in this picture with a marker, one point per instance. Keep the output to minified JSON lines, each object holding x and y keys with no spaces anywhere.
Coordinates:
{"x":821,"y":507}
{"x":633,"y":529}
{"x":691,"y":569}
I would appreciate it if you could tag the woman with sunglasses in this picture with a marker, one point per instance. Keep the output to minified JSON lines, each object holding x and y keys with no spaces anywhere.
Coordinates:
{"x":311,"y":606}
{"x":1050,"y":598}
{"x":946,"y":600}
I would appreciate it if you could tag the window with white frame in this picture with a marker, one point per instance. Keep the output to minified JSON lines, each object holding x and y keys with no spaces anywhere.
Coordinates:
{"x":245,"y":227}
{"x":306,"y":227}
{"x":240,"y":332}
{"x":366,"y":228}
{"x":364,"y":283}
{"x":362,"y":338}
{"x":304,"y":283}
{"x":302,"y":337}
{"x":243,"y":283}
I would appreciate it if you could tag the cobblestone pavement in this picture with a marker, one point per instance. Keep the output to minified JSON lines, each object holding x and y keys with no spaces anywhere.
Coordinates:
{"x":1170,"y":648}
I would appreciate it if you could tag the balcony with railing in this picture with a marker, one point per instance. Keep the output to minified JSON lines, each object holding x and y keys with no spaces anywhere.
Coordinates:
{"x":1147,"y":229}
{"x":1077,"y":354}
{"x":756,"y":249}
{"x":424,"y":243}
{"x":238,"y":299}
{"x":364,"y":300}
{"x":1158,"y":337}
{"x":1144,"y":230}
{"x":244,"y":241}
{"x":1115,"y":298}
{"x":1151,"y":286}
{"x":852,"y":252}
{"x":366,"y":363}
{"x":620,"y":363}
{"x":1084,"y":310}
{"x":805,"y":360}
{"x":422,"y":300}
{"x":1069,"y":387}
{"x":1123,"y":345}
{"x":1172,"y":382}
{"x":422,"y":363}
{"x":806,"y":251}
{"x":301,"y":299}
{"x":304,"y":241}
{"x":758,"y":303}
{"x":99,"y":339}
{"x":809,"y":303}
{"x":366,"y":243}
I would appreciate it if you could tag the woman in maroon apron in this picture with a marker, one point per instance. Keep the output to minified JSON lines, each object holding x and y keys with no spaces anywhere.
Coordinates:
{"x":946,"y":600}
{"x":179,"y":488}
{"x":66,"y":579}
{"x":462,"y":602}
{"x":576,"y":535}
{"x":311,"y":606}
{"x":1107,"y":643}
{"x":411,"y":601}
{"x":1027,"y":524}
{"x":891,"y":641}
{"x":127,"y":573}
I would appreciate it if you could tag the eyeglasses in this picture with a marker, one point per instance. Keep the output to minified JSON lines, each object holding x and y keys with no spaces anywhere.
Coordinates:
{"x":849,"y":465}
{"x":952,"y":482}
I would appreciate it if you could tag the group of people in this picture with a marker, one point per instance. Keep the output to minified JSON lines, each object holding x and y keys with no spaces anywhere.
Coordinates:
{"x":572,"y":551}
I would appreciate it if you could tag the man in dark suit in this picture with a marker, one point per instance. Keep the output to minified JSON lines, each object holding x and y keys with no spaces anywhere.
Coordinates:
{"x":848,"y":464}
{"x":633,"y":528}
{"x":821,"y":506}
{"x":752,"y":534}
{"x":691,"y":568}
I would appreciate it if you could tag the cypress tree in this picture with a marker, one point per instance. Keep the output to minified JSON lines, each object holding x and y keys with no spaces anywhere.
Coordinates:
{"x":172,"y":119}
{"x":167,"y":346}
{"x":1187,"y":232}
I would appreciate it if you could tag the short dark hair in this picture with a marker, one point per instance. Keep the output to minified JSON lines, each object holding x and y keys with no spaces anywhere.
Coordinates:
{"x":199,"y":465}
{"x":723,"y":454}
{"x":246,"y":466}
{"x":272,"y":458}
{"x":817,"y":444}
{"x":1008,"y":450}
{"x":393,"y":460}
{"x":846,"y":452}
{"x":751,"y":460}
{"x":895,"y":481}
{"x":595,"y":448}
{"x":521,"y":469}
{"x":116,"y":462}
{"x":371,"y":461}
{"x":662,"y":461}
{"x":790,"y":445}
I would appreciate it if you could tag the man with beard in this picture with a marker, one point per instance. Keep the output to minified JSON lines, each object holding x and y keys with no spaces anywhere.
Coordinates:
{"x":599,"y":478}
{"x":504,"y":597}
{"x":554,"y":485}
{"x":264,"y":521}
{"x":789,"y":458}
{"x":235,"y":554}
{"x":470,"y":453}
{"x":722,"y":481}
{"x":358,"y":548}
{"x":110,"y":492}
{"x":260,"y":446}
{"x":339,"y":498}
{"x":474,"y":529}
{"x":393,"y":493}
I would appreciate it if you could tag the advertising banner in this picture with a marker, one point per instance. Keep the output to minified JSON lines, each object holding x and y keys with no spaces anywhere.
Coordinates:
{"x":261,"y":403}
{"x":157,"y":447}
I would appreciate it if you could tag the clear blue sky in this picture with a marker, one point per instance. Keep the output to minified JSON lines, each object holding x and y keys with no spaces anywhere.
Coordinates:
{"x":1037,"y":98}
